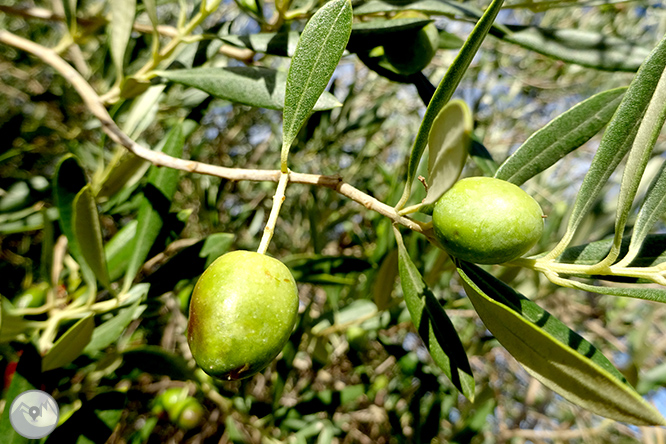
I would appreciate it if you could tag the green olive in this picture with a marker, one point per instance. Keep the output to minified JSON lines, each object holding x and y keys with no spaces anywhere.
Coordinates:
{"x":487,"y":221}
{"x":412,"y":51}
{"x":172,"y":401}
{"x":242,"y":311}
{"x":190,"y":415}
{"x":33,"y":297}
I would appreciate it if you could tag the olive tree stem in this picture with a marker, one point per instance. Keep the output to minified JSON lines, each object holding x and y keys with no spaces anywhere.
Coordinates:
{"x":96,"y":107}
{"x":278,"y":198}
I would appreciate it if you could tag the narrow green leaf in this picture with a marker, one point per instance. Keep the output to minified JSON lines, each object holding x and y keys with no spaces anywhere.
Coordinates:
{"x":585,"y":48}
{"x":122,"y":20}
{"x":652,"y":252}
{"x":560,"y":136}
{"x":445,"y":90}
{"x":88,"y":233}
{"x":433,"y":325}
{"x":448,"y":146}
{"x":648,"y":294}
{"x":69,"y":7}
{"x":109,"y":332}
{"x":385,"y":280}
{"x":27,"y":220}
{"x":651,"y":211}
{"x":69,"y":181}
{"x":439,"y":7}
{"x":617,"y":139}
{"x":119,"y":249}
{"x":558,"y":357}
{"x":158,"y":193}
{"x":317,"y":55}
{"x":70,"y":345}
{"x":382,"y":27}
{"x":640,"y":153}
{"x":250,"y":85}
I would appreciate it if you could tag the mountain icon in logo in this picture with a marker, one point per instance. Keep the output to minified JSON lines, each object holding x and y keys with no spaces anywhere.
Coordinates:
{"x":34,"y":414}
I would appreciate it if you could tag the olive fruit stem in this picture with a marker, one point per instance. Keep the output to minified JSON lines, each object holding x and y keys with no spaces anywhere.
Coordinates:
{"x":278,"y":198}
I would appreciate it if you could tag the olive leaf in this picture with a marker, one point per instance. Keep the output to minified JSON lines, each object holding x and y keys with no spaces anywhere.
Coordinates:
{"x":439,"y":7}
{"x":70,"y":345}
{"x":585,"y":48}
{"x":158,"y":193}
{"x":448,"y":145}
{"x":558,"y":357}
{"x":109,"y":332}
{"x":385,"y":280}
{"x":648,"y":294}
{"x":617,"y":140}
{"x":69,"y":181}
{"x":251,"y":85}
{"x":560,"y":136}
{"x":445,"y":90}
{"x":652,"y":210}
{"x":122,"y":20}
{"x":646,"y":137}
{"x":652,"y":252}
{"x":433,"y":325}
{"x":118,"y":250}
{"x":69,"y":8}
{"x":317,"y":55}
{"x":88,"y":232}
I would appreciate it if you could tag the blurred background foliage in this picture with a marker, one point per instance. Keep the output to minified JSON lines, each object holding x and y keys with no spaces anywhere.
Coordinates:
{"x":354,"y":370}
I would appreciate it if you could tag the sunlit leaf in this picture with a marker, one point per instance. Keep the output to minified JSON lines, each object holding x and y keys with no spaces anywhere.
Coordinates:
{"x":448,"y":146}
{"x":317,"y":55}
{"x":119,"y":249}
{"x":109,"y":332}
{"x":250,"y":85}
{"x":433,"y":325}
{"x":439,"y":7}
{"x":558,"y":357}
{"x":651,"y":212}
{"x":122,"y":20}
{"x":641,"y":150}
{"x":560,"y":136}
{"x":70,"y":345}
{"x":617,"y":139}
{"x":445,"y":90}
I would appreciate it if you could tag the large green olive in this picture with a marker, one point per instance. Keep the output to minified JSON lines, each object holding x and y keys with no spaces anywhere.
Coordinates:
{"x":487,"y":221}
{"x":242,"y":311}
{"x":410,"y":52}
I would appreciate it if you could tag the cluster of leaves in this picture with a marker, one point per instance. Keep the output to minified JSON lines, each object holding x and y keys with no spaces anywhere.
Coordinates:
{"x":111,"y":245}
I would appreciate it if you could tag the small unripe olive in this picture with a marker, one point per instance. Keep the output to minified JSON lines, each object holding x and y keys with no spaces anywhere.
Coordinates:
{"x":190,"y":415}
{"x":487,"y":221}
{"x":410,"y":52}
{"x":33,"y":297}
{"x":242,"y":311}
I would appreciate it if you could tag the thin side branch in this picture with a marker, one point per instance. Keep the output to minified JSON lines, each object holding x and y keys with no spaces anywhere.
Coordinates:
{"x":95,"y":106}
{"x":241,"y":54}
